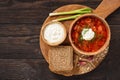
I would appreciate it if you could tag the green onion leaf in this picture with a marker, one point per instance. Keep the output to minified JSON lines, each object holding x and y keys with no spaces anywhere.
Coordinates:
{"x":67,"y":18}
{"x":78,"y":11}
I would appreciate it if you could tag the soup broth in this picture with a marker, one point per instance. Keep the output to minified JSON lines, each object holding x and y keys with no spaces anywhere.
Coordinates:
{"x":89,"y":34}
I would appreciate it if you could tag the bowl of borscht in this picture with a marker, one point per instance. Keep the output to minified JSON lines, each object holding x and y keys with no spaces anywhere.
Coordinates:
{"x":89,"y":34}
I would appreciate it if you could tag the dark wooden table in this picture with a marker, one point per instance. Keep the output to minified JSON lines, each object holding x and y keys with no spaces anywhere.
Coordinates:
{"x":20,"y":55}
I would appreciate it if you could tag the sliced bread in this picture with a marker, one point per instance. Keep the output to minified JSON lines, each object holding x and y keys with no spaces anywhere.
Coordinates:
{"x":61,"y":58}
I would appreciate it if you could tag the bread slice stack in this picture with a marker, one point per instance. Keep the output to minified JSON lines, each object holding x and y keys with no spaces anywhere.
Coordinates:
{"x":61,"y":59}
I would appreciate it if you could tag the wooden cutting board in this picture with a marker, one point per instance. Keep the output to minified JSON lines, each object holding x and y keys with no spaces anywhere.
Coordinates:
{"x":45,"y":48}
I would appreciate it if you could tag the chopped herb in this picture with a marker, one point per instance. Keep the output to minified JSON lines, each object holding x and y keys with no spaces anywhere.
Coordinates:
{"x":87,"y":26}
{"x":85,"y":30}
{"x":94,"y":38}
{"x":80,"y":39}
{"x":99,"y":36}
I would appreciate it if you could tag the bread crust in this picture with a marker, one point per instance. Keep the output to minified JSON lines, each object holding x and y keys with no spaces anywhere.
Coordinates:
{"x":61,"y":59}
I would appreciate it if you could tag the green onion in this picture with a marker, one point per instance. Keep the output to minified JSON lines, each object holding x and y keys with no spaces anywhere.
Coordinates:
{"x":79,"y":11}
{"x":67,"y":18}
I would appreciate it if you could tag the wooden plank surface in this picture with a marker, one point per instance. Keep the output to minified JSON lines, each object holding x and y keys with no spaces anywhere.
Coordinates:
{"x":20,"y":56}
{"x":36,"y":69}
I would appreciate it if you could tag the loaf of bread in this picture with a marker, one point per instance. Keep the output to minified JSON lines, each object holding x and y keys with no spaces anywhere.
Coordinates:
{"x":61,"y":58}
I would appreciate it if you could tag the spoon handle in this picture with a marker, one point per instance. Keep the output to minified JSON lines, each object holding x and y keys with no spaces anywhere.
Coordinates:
{"x":106,"y":7}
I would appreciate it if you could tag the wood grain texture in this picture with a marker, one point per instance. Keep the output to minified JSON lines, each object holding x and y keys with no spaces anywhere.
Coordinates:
{"x":36,"y":69}
{"x":20,"y":57}
{"x":107,"y":9}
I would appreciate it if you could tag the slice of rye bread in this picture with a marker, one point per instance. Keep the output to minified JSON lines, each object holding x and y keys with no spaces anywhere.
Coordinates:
{"x":61,"y":58}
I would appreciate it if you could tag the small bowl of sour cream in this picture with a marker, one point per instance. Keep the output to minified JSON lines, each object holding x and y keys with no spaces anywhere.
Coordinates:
{"x":53,"y":33}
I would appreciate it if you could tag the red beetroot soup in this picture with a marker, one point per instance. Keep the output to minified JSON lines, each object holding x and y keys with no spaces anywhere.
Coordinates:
{"x":86,"y":27}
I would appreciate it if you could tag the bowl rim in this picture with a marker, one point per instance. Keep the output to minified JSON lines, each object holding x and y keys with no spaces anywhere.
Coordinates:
{"x":106,"y":44}
{"x":57,"y":43}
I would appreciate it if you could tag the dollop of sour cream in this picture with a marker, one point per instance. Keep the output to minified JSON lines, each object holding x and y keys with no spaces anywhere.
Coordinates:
{"x":88,"y":34}
{"x":54,"y":32}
